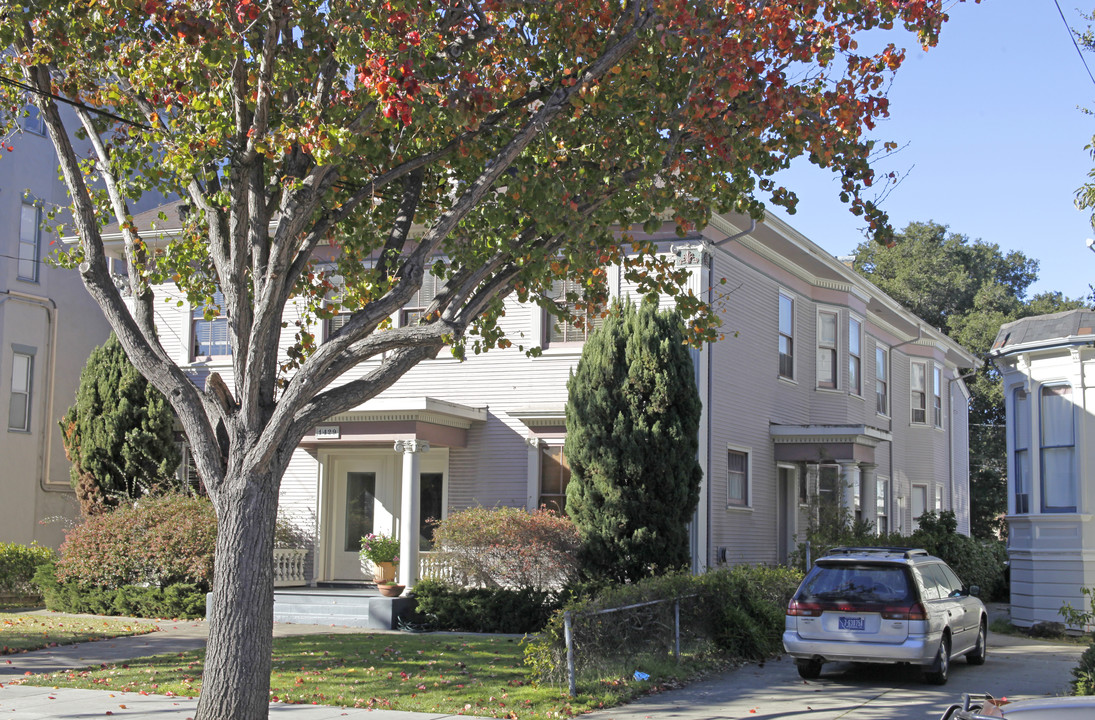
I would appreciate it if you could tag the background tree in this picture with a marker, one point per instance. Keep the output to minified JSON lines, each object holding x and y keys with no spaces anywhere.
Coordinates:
{"x":492,"y":143}
{"x":633,"y":419}
{"x":967,"y":289}
{"x":119,"y":435}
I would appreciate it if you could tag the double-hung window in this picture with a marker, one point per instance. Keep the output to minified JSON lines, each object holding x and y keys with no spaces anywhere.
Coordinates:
{"x":881,"y":384}
{"x":855,"y":356}
{"x":826,"y":349}
{"x":33,"y":122}
{"x":786,"y":337}
{"x":937,"y":397}
{"x":1020,"y":415}
{"x":210,"y":333}
{"x":737,"y":478}
{"x":22,"y":364}
{"x":579,"y":326}
{"x":882,"y":503}
{"x":1058,"y":444}
{"x":30,"y":236}
{"x":918,"y":392}
{"x":415,"y":308}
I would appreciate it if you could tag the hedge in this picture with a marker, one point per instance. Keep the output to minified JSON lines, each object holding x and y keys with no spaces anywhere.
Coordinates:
{"x":17,"y":566}
{"x":442,"y":606}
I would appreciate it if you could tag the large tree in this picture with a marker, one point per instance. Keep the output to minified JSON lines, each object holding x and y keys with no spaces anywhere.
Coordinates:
{"x":119,"y":435}
{"x":633,"y":421}
{"x":967,"y":289}
{"x":506,"y":137}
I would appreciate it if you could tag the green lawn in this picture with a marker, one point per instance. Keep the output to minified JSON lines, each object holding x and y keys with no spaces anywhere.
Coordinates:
{"x":32,"y":632}
{"x":439,"y":673}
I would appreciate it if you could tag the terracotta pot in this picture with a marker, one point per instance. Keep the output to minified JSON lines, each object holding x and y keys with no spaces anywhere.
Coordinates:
{"x":390,"y":590}
{"x":383,"y":571}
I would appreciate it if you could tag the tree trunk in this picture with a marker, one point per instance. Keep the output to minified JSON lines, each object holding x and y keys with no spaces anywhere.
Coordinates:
{"x":236,"y":680}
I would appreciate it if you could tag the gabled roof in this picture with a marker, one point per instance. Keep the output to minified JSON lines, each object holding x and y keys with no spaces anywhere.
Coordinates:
{"x":1071,"y":327}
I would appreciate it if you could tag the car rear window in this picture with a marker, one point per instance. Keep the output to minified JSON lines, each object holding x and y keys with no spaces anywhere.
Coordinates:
{"x":854,"y":582}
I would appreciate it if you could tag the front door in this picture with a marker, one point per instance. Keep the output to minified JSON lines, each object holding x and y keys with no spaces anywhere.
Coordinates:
{"x":358,"y":508}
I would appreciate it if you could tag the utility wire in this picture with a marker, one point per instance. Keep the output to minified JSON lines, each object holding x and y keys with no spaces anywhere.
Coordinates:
{"x":29,"y":88}
{"x":1074,"y":43}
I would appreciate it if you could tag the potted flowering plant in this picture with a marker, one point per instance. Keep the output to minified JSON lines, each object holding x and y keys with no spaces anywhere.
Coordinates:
{"x":383,"y":552}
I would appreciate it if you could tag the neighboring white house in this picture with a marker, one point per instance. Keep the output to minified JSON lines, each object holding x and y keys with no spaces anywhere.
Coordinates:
{"x":48,"y":327}
{"x":824,"y":390}
{"x":1048,"y":368}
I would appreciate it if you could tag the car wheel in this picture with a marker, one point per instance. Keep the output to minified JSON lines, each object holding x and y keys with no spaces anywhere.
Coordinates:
{"x":937,"y":675}
{"x":981,"y":649}
{"x":808,"y":669}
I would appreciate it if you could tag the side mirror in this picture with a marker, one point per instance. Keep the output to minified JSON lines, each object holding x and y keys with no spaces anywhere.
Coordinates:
{"x":975,"y":590}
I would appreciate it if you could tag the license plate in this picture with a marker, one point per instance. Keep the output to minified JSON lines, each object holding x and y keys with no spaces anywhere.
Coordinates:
{"x":850,"y":623}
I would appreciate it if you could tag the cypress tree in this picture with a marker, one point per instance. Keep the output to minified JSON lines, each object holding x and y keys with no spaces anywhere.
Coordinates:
{"x":632,"y":419}
{"x":119,"y":435}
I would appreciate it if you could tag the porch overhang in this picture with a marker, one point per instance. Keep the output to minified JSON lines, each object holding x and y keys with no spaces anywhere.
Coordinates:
{"x":382,"y":421}
{"x":826,"y":443}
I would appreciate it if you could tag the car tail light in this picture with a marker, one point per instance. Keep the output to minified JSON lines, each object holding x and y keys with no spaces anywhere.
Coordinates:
{"x":799,"y":609}
{"x":915,"y":611}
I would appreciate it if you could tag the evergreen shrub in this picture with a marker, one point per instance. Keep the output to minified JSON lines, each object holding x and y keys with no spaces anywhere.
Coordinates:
{"x":18,"y":564}
{"x":443,"y":606}
{"x":181,"y":600}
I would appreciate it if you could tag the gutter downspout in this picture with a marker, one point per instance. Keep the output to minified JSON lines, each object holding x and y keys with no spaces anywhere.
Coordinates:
{"x":45,"y":448}
{"x":743,"y":233}
{"x":950,"y":441}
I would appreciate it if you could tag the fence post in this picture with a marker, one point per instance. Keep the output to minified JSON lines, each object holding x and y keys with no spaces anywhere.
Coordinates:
{"x":677,"y":629}
{"x":568,"y":632}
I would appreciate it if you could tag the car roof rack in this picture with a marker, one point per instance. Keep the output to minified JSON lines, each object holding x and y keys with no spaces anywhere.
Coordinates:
{"x":905,"y":552}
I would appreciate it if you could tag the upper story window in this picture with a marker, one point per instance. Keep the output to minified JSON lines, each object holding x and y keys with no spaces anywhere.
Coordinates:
{"x":786,"y":336}
{"x":22,"y":363}
{"x":1058,"y":444}
{"x":1021,"y":473}
{"x":881,"y":383}
{"x":33,"y":122}
{"x":937,"y":397}
{"x":576,"y":330}
{"x":826,"y":349}
{"x":210,"y":336}
{"x":918,"y":392}
{"x":413,"y":311}
{"x":855,"y":356}
{"x":30,"y":237}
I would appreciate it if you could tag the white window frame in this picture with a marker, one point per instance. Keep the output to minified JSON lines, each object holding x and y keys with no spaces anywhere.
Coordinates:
{"x":544,"y":447}
{"x":21,"y":386}
{"x":785,"y":332}
{"x":1070,"y":446}
{"x":560,"y":333}
{"x":882,"y":381}
{"x":30,"y":241}
{"x":830,"y":348}
{"x":1020,"y":419}
{"x":920,"y":395}
{"x":747,"y":501}
{"x":855,"y":355}
{"x":222,"y":319}
{"x":937,"y":396}
{"x":33,"y":122}
{"x":882,"y":497}
{"x":923,"y":487}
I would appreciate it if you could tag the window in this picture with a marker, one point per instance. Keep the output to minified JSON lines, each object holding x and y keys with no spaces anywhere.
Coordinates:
{"x":413,"y":311}
{"x":826,"y":349}
{"x":335,"y":323}
{"x":576,"y":330}
{"x":937,"y":397}
{"x":1021,"y":443}
{"x":210,"y":335}
{"x":29,"y":241}
{"x":34,"y":122}
{"x":882,"y":523}
{"x":22,"y":363}
{"x":786,"y":337}
{"x":554,"y":478}
{"x":737,"y":478}
{"x":360,"y":508}
{"x":918,"y":378}
{"x":1058,"y":442}
{"x":830,"y":498}
{"x":855,"y":361}
{"x":919,"y":502}
{"x":431,"y":490}
{"x":881,"y":391}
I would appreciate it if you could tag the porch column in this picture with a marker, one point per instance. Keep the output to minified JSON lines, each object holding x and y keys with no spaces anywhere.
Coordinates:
{"x":409,"y":509}
{"x":869,"y":502}
{"x":532,"y":492}
{"x":813,"y":492}
{"x":849,"y":480}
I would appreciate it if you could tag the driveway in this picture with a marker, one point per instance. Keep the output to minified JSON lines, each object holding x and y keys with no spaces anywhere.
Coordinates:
{"x":1016,"y":668}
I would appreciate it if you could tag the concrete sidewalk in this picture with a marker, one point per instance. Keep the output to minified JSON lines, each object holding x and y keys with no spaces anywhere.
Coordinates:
{"x":18,"y":702}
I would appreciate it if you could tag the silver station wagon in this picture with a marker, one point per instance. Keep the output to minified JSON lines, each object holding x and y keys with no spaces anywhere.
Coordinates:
{"x":884,"y":605}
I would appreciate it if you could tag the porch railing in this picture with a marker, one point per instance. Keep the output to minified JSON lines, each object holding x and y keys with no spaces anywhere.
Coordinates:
{"x":289,"y":567}
{"x":431,"y":566}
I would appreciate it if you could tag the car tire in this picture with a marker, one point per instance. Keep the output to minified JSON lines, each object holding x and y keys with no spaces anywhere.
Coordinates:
{"x":981,"y":649}
{"x":937,"y":675}
{"x":809,"y":669}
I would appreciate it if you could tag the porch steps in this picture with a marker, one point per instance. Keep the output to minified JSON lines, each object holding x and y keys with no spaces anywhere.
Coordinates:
{"x":360,"y":606}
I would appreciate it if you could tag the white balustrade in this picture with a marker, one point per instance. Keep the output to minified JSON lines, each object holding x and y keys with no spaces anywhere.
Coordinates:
{"x":289,"y":567}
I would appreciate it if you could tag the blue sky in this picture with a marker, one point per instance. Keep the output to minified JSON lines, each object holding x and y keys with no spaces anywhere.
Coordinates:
{"x":995,"y":141}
